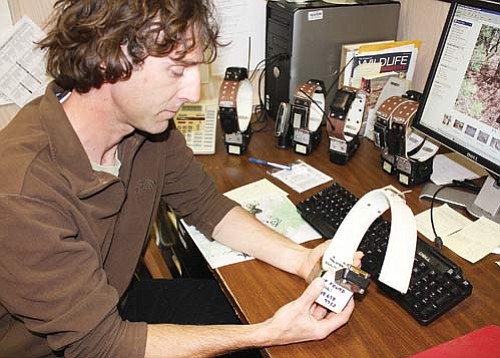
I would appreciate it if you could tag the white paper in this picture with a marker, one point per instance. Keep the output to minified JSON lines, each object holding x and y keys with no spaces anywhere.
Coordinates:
{"x":260,"y":188}
{"x":270,"y":205}
{"x":444,"y":170}
{"x":22,"y":66}
{"x":302,"y":177}
{"x":476,"y":240}
{"x":241,"y":22}
{"x":278,"y":213}
{"x":216,"y":254}
{"x":447,"y":221}
{"x":5,"y":26}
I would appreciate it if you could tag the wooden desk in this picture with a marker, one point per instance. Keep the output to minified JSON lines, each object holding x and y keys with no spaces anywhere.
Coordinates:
{"x":378,"y":327}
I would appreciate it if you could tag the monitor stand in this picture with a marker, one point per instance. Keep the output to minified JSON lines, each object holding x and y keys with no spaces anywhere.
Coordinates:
{"x":486,"y":203}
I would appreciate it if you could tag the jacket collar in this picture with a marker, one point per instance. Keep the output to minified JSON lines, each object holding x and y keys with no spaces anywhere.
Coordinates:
{"x":66,"y":149}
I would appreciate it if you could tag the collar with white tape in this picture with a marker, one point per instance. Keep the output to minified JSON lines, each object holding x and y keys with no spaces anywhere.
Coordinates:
{"x":387,"y":108}
{"x":345,"y":123}
{"x":398,"y":263}
{"x":235,"y":98}
{"x":354,"y":118}
{"x":401,"y":121}
{"x":311,"y":97}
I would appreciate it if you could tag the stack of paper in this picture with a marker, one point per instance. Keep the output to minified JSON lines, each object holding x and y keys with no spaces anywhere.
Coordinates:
{"x":5,"y":25}
{"x":447,"y":167}
{"x":22,"y":66}
{"x":470,"y":240}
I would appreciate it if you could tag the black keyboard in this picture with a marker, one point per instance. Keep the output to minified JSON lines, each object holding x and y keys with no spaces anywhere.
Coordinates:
{"x":436,"y":284}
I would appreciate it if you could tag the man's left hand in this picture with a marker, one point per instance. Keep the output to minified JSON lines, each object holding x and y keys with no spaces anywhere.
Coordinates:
{"x":314,"y":256}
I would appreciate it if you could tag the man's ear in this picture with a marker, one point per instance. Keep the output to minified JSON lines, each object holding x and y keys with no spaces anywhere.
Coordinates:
{"x":127,"y":61}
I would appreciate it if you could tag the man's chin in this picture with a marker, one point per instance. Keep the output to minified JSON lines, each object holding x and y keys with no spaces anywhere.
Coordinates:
{"x":158,"y":129}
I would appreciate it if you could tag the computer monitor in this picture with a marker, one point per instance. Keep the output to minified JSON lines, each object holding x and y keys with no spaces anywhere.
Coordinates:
{"x":461,"y":100}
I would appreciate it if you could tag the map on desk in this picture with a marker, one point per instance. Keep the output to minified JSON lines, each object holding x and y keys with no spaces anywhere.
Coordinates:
{"x":217,"y":255}
{"x":270,"y":205}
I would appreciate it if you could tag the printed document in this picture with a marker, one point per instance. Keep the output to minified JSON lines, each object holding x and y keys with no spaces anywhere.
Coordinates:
{"x":447,"y":167}
{"x":22,"y":66}
{"x":447,"y":221}
{"x":5,"y":25}
{"x":270,"y":205}
{"x":471,"y":240}
{"x":476,"y":240}
{"x":302,"y":177}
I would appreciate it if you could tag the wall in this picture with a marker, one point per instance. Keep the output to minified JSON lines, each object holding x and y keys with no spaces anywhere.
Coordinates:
{"x":422,"y":20}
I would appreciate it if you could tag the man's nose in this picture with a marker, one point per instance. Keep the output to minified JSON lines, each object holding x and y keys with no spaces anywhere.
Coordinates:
{"x":191,"y":87}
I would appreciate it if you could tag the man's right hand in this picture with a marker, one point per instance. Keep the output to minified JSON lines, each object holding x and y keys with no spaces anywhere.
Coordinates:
{"x":298,"y":321}
{"x":304,"y":320}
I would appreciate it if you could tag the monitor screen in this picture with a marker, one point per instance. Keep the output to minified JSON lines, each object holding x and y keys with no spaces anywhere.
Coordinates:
{"x":460,"y":104}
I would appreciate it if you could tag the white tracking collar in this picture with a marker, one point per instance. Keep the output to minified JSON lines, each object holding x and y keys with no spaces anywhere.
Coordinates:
{"x":312,"y":96}
{"x":236,"y":94}
{"x":354,"y":118}
{"x":398,"y":263}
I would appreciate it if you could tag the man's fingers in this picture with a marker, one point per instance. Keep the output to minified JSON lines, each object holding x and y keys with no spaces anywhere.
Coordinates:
{"x":318,"y":312}
{"x":357,"y":258}
{"x":342,"y":317}
{"x":312,"y":292}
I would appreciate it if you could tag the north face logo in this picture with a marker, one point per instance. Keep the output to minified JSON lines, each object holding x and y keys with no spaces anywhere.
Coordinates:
{"x":145,"y":184}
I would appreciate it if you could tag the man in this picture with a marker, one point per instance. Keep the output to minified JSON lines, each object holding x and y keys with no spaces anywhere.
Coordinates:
{"x":83,"y":170}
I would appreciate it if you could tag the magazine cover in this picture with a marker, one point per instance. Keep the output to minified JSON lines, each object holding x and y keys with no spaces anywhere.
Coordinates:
{"x":399,"y":57}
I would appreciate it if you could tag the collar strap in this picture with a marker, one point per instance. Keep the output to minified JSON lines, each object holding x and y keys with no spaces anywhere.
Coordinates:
{"x":346,"y":113}
{"x":400,"y":127}
{"x":398,"y":263}
{"x":402,"y":119}
{"x":235,"y":100}
{"x":308,"y":105}
{"x":388,"y":108}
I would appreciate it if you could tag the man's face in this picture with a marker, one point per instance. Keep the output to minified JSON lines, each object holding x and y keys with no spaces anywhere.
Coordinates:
{"x":156,"y":90}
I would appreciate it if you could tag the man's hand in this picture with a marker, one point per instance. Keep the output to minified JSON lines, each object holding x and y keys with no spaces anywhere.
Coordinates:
{"x":314,"y":256}
{"x":304,"y":320}
{"x":298,"y":321}
{"x":243,"y":232}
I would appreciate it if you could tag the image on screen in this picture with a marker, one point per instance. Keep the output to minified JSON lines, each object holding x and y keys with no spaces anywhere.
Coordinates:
{"x":462,"y":100}
{"x":478,"y":95}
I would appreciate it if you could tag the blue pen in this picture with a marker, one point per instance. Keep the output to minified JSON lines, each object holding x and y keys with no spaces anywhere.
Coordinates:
{"x":271,"y":164}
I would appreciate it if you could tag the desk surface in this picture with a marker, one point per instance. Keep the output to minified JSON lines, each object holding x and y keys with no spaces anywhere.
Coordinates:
{"x":378,"y":327}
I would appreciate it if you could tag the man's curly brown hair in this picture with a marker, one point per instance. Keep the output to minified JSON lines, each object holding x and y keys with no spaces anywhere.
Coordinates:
{"x":84,"y":45}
